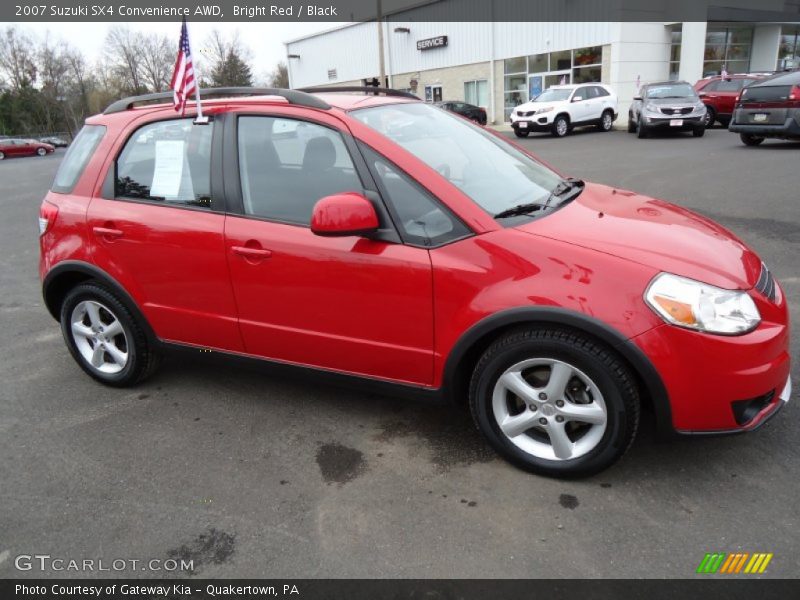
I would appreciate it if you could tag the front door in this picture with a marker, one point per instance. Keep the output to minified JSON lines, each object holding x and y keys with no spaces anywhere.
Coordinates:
{"x":347,"y":304}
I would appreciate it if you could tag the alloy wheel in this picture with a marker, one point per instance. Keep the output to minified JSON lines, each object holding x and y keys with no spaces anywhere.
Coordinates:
{"x":549,"y":409}
{"x":607,"y":121}
{"x":99,"y":337}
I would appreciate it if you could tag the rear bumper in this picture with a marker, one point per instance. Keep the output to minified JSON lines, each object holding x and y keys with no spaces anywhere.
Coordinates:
{"x":789,"y":128}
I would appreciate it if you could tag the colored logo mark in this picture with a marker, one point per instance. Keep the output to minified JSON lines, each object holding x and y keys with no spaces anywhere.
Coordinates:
{"x":737,"y":562}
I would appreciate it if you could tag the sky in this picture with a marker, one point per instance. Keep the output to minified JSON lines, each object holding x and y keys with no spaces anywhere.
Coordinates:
{"x":265,"y":40}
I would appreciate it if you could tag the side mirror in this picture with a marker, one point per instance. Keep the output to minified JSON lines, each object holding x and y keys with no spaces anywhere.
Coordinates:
{"x":344,"y":214}
{"x":637,"y":97}
{"x":577,"y":98}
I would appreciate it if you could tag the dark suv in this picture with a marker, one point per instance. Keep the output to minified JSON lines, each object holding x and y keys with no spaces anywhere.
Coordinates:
{"x":769,"y":108}
{"x":719,"y":94}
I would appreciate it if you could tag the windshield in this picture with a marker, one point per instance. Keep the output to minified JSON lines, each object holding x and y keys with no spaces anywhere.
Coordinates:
{"x":493,"y":173}
{"x":678,"y":90}
{"x":553,"y":95}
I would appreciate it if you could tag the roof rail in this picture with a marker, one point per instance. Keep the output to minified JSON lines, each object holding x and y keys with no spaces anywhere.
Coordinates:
{"x":356,"y":88}
{"x":293,"y":96}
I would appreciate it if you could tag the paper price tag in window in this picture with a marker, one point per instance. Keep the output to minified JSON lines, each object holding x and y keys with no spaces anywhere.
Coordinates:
{"x":168,"y":169}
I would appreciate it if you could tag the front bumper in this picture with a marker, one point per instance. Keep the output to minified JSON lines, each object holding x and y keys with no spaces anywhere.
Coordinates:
{"x":708,"y":378}
{"x":533,"y":123}
{"x":664,"y":122}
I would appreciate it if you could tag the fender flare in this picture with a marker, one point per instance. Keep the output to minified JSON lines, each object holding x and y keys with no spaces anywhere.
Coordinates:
{"x":486,"y":328}
{"x":65,"y":271}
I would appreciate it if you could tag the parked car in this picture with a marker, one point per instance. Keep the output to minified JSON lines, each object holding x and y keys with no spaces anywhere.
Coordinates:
{"x":719,"y":94}
{"x":55,"y":141}
{"x":470,"y":111}
{"x":560,"y":108}
{"x":667,"y":105}
{"x":17,"y":147}
{"x":768,"y":109}
{"x":432,"y":257}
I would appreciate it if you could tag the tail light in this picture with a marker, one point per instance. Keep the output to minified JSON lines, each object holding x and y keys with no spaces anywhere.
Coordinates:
{"x":47,"y":216}
{"x":794,"y":93}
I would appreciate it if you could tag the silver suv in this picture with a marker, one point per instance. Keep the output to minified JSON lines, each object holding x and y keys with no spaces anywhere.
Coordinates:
{"x":667,"y":105}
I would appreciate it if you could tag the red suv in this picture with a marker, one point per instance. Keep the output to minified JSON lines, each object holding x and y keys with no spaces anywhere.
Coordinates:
{"x":384,"y":239}
{"x":719,"y":95}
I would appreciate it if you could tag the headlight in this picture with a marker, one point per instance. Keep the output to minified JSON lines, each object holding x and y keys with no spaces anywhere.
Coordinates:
{"x":695,"y":305}
{"x":651,"y":108}
{"x":544,"y":110}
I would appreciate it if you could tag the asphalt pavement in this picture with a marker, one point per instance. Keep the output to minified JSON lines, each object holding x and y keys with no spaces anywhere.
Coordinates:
{"x":252,"y":473}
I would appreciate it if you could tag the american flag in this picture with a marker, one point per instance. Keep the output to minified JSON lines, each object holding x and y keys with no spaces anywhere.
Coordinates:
{"x":183,"y":84}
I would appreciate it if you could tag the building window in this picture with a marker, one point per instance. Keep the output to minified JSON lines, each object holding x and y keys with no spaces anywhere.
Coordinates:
{"x":533,"y":74}
{"x":433,"y":93}
{"x":789,"y":50}
{"x":477,"y":92}
{"x":675,"y":53}
{"x":727,"y":49}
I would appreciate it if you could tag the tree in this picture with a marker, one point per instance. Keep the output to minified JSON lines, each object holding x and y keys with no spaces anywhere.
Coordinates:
{"x":279,"y":78}
{"x":124,"y":51}
{"x":157,"y":61}
{"x":17,"y":66}
{"x":228,"y":61}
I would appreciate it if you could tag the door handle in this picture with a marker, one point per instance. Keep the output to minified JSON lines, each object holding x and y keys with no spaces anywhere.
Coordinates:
{"x":107,"y":232}
{"x":251,"y":252}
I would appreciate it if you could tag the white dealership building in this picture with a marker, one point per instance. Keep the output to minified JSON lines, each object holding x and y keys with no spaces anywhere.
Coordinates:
{"x":498,"y":65}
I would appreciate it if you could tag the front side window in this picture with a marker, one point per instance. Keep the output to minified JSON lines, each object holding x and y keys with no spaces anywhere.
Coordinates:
{"x":76,"y":158}
{"x":286,"y":166}
{"x":169,"y":162}
{"x":493,"y":173}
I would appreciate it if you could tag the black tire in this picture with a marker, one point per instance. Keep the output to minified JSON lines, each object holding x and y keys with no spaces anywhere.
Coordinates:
{"x":606,"y":121}
{"x":143,"y":357}
{"x":699,"y":131}
{"x":631,"y":124}
{"x":41,"y":151}
{"x":641,"y":129}
{"x":606,"y":369}
{"x":519,"y":133}
{"x":560,"y":126}
{"x":711,"y":116}
{"x":748,"y":139}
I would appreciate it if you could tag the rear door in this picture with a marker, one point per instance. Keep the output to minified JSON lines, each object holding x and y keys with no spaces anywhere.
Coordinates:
{"x":347,"y":304}
{"x":158,"y":230}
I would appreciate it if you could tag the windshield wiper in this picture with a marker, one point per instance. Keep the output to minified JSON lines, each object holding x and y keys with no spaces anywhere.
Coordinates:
{"x":520,"y":209}
{"x":560,"y":191}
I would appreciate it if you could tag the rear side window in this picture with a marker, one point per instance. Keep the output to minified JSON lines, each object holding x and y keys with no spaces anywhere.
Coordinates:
{"x":169,"y":162}
{"x":287,"y":166}
{"x":77,"y":157}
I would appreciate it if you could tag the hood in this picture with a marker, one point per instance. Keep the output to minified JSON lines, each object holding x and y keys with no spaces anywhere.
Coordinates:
{"x":654,"y":233}
{"x":534,"y":106}
{"x":672,"y":101}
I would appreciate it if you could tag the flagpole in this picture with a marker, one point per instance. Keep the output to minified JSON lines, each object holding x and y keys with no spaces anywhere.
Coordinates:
{"x":199,"y":119}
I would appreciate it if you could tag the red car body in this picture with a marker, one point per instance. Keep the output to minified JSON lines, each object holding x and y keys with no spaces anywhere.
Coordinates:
{"x":19,"y":147}
{"x":719,"y":94}
{"x":412,"y":316}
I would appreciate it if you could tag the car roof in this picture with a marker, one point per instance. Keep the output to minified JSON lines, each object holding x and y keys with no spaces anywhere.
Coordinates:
{"x":790,"y":78}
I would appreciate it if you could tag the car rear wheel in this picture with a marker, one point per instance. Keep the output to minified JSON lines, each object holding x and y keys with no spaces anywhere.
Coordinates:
{"x":554,"y":402}
{"x":711,"y":116}
{"x":519,"y":133}
{"x":2,"y":155}
{"x":606,"y":121}
{"x":104,"y":338}
{"x":751,"y":140}
{"x":41,"y":151}
{"x":560,"y":126}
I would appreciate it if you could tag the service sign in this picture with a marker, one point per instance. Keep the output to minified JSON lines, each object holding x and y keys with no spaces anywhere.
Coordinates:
{"x":434,"y":42}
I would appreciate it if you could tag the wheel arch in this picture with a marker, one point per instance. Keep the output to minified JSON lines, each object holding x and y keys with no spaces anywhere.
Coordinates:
{"x":472,"y":344}
{"x":66,"y":275}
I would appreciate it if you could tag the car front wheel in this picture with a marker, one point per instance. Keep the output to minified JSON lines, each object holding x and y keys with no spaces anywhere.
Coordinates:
{"x":520,"y":133}
{"x":104,"y":338}
{"x":41,"y":151}
{"x":2,"y":155}
{"x":554,"y":402}
{"x":749,"y":139}
{"x":560,"y":126}
{"x":699,"y":131}
{"x":641,"y":129}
